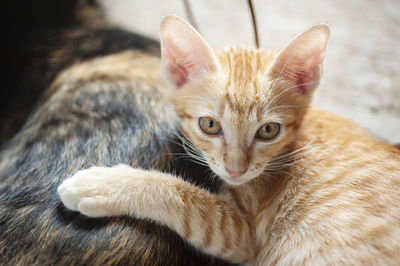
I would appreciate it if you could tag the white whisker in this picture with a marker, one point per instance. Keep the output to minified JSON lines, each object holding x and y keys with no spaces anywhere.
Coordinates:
{"x":192,"y":152}
{"x":286,"y":106}
{"x":284,"y":91}
{"x":290,"y":159}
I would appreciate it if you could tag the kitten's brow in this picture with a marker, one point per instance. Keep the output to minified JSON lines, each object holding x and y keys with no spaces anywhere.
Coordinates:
{"x":207,"y":100}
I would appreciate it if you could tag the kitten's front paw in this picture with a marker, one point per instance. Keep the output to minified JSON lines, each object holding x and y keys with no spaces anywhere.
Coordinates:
{"x":90,"y":191}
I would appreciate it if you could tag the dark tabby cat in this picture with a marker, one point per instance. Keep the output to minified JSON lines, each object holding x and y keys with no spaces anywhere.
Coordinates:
{"x":89,"y":115}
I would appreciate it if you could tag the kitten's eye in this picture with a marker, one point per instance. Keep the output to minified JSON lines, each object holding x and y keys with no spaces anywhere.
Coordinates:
{"x":268,"y":131}
{"x":209,"y":125}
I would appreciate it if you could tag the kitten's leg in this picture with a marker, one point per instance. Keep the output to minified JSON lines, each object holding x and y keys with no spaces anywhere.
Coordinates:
{"x":209,"y":222}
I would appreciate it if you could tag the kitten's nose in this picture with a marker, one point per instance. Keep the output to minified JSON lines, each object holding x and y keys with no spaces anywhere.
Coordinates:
{"x":235,"y":172}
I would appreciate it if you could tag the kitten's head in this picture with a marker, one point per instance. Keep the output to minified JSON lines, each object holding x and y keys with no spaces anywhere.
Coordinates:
{"x":240,"y":107}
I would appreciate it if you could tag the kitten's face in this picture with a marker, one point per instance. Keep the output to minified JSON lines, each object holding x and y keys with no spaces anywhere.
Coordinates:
{"x":240,"y":107}
{"x":236,"y":116}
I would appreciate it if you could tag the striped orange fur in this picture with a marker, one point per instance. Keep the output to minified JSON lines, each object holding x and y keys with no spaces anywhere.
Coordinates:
{"x":320,"y":191}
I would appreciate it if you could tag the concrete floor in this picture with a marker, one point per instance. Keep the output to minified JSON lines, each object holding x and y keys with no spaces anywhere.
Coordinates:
{"x":362,"y":67}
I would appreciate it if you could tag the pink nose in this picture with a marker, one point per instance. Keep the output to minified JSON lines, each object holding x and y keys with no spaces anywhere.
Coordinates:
{"x":236,"y":173}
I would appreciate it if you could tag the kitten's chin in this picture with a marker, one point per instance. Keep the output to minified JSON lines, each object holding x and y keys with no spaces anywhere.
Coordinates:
{"x":235,"y":181}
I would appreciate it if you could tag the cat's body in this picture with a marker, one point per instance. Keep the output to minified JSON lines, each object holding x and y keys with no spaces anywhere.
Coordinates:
{"x":336,"y":204}
{"x":94,"y":112}
{"x":302,"y":186}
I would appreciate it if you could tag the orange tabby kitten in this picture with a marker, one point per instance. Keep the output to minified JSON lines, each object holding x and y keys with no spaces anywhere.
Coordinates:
{"x":302,"y":186}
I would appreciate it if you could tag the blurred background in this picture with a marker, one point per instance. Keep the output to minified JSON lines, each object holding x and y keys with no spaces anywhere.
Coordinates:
{"x":362,"y":66}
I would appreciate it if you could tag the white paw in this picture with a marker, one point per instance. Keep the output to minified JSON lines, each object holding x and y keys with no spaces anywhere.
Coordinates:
{"x":91,"y":191}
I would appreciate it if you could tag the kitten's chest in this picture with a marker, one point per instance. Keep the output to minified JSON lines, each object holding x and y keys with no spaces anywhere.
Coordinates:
{"x":281,"y":212}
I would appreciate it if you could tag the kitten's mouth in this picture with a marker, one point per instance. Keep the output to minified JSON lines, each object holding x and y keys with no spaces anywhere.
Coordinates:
{"x":242,"y":179}
{"x":233,"y":178}
{"x":235,"y":181}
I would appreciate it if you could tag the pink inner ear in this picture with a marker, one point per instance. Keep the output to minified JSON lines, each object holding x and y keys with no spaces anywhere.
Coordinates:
{"x":178,"y":74}
{"x":305,"y":80}
{"x":306,"y":84}
{"x":177,"y":65}
{"x":304,"y":73}
{"x":186,"y":55}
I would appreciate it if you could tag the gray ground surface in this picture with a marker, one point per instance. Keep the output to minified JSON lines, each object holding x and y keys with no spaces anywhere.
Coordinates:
{"x":362,"y":68}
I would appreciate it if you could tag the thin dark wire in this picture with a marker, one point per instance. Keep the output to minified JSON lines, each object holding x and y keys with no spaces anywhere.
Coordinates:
{"x":253,"y":18}
{"x":189,"y":14}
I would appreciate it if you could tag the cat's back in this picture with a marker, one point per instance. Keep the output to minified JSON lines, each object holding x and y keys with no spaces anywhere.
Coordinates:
{"x":341,"y":142}
{"x":102,"y":106}
{"x":339,"y":204}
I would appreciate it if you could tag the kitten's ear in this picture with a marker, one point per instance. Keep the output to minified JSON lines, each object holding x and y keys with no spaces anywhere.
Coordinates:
{"x":185,"y":54}
{"x":301,"y":61}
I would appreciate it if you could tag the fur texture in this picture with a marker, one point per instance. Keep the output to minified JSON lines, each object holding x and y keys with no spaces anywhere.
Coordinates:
{"x":104,"y":105}
{"x":319,"y":191}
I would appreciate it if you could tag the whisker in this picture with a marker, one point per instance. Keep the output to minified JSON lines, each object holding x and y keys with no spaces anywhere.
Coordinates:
{"x":197,"y":162}
{"x":290,"y":159}
{"x":284,"y":91}
{"x":307,"y":146}
{"x":285,"y":165}
{"x":192,"y":152}
{"x":287,"y":106}
{"x":280,"y":171}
